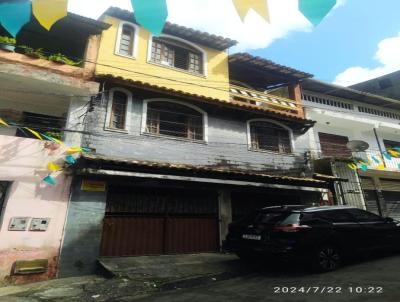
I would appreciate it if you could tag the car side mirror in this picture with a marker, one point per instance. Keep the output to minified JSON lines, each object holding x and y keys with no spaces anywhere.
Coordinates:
{"x":389,"y":220}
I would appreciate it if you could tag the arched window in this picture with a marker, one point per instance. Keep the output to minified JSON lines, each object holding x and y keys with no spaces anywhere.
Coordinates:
{"x":126,"y":42}
{"x":174,"y":119}
{"x":118,"y":108}
{"x":269,"y":136}
{"x":177,"y":54}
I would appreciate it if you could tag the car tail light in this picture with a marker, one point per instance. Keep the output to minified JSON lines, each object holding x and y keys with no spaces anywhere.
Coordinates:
{"x":291,"y":228}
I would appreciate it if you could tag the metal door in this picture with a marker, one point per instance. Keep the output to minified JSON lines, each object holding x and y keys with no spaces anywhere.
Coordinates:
{"x":155,"y":221}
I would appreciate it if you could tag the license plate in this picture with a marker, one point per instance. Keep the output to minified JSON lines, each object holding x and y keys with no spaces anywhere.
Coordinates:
{"x":251,"y":237}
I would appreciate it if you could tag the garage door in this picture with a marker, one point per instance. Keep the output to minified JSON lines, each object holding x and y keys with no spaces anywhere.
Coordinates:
{"x":143,"y":221}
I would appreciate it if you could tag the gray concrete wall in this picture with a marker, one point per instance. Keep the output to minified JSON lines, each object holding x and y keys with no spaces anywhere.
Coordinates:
{"x":227,"y":143}
{"x":83,"y":230}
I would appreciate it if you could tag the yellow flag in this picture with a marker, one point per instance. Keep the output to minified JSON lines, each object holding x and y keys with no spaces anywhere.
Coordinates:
{"x":34,"y":133}
{"x":73,"y":150}
{"x":380,"y":166}
{"x":394,"y":153}
{"x":259,"y":6}
{"x":53,"y":167}
{"x":48,"y":12}
{"x":2,"y":122}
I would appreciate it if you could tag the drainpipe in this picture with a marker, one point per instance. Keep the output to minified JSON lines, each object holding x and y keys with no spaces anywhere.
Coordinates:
{"x":379,"y":146}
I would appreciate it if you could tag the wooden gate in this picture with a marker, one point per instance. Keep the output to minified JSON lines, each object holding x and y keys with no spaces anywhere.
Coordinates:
{"x":159,"y":221}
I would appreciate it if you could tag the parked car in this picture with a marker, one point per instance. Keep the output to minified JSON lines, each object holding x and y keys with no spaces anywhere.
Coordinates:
{"x":323,"y":236}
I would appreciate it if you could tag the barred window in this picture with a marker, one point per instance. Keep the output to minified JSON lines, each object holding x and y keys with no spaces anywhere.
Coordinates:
{"x":177,"y":55}
{"x":118,"y":110}
{"x":127,"y":40}
{"x":269,"y":137}
{"x":172,"y":119}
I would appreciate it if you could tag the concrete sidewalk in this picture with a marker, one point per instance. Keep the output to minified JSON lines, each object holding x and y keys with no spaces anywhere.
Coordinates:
{"x":132,"y":277}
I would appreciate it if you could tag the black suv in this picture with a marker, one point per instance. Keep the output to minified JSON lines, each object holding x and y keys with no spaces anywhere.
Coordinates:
{"x":321,"y":235}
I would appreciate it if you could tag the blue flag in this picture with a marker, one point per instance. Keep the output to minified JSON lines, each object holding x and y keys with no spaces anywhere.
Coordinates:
{"x":316,"y":10}
{"x":151,"y":14}
{"x":15,"y":14}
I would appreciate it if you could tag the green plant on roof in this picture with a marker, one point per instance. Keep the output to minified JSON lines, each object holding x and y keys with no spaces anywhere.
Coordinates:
{"x":7,"y":40}
{"x":60,"y":58}
{"x":37,"y":53}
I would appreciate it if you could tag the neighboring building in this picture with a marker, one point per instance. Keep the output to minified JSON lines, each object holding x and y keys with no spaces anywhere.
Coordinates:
{"x":47,"y":97}
{"x":342,"y":115}
{"x":387,"y":85}
{"x":186,"y":140}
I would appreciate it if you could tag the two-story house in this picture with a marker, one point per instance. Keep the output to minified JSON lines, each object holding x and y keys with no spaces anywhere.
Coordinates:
{"x":345,"y":114}
{"x":186,"y":138}
{"x":40,"y":97}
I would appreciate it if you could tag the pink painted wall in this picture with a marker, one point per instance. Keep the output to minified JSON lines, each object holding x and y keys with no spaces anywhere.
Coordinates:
{"x":23,"y":162}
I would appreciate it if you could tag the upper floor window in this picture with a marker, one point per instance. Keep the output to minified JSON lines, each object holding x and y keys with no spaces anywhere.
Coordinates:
{"x":127,"y":39}
{"x":174,"y":119}
{"x":177,"y":54}
{"x":391,"y":144}
{"x":334,"y":145}
{"x":268,"y":136}
{"x":118,"y":109}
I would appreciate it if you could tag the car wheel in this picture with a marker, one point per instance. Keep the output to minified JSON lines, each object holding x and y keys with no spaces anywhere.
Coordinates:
{"x":327,"y":258}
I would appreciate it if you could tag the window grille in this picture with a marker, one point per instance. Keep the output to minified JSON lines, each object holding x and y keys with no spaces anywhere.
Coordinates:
{"x":127,"y":40}
{"x":269,"y":137}
{"x":171,"y":119}
{"x":118,"y":110}
{"x":177,"y":55}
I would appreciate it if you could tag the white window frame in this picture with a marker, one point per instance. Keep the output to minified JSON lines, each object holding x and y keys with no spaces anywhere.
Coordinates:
{"x":128,"y":111}
{"x":290,"y":131}
{"x":202,"y":51}
{"x":203,"y":113}
{"x":135,"y":39}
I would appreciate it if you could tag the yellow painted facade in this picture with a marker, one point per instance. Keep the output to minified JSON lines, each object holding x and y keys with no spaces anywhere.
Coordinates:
{"x":214,"y":84}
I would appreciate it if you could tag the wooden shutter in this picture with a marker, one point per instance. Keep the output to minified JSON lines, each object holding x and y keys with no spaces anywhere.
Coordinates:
{"x":334,"y":145}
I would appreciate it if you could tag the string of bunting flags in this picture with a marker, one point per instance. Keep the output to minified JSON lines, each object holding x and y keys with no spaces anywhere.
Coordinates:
{"x":152,"y":15}
{"x":377,"y":161}
{"x":52,"y":167}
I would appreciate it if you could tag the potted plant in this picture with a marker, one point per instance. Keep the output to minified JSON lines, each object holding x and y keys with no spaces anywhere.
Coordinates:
{"x":7,"y":43}
{"x":61,"y":59}
{"x":33,"y":53}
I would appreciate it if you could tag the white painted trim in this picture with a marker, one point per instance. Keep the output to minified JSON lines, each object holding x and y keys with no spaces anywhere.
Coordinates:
{"x":291,"y":135}
{"x":203,"y":52}
{"x":199,"y":179}
{"x":135,"y":39}
{"x":204,"y":114}
{"x":128,"y":121}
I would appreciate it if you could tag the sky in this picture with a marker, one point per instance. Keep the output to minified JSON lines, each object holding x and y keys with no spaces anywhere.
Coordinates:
{"x":357,"y":41}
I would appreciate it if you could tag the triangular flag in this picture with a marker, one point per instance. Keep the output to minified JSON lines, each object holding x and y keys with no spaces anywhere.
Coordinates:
{"x":151,"y":14}
{"x":259,"y":6}
{"x":397,"y":148}
{"x":85,"y":149}
{"x":14,"y":14}
{"x":69,"y":159}
{"x":380,"y":167}
{"x":316,"y":10}
{"x":376,"y":159}
{"x":352,"y":166}
{"x":48,"y":12}
{"x":387,"y":155}
{"x":2,"y":122}
{"x":364,"y":168}
{"x":34,"y":133}
{"x":50,"y":180}
{"x":74,"y":150}
{"x":53,"y":167}
{"x":394,"y":153}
